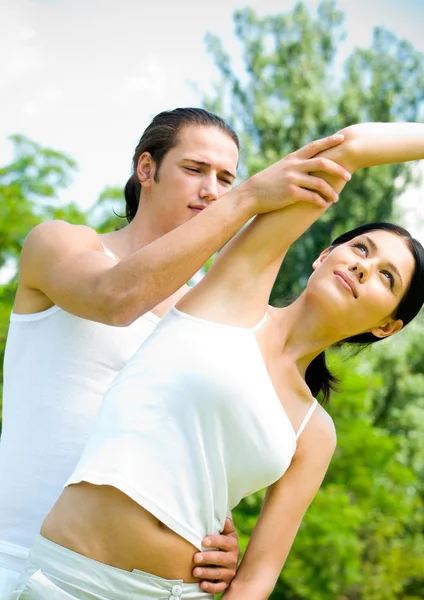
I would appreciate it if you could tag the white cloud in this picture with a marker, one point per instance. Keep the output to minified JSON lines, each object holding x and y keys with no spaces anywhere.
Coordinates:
{"x":30,"y":111}
{"x":135,"y":84}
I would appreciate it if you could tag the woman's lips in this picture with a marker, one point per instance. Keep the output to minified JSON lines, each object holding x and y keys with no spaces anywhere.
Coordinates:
{"x":346,"y":282}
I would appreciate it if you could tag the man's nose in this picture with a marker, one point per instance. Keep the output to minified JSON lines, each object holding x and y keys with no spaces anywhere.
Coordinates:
{"x":209,"y":189}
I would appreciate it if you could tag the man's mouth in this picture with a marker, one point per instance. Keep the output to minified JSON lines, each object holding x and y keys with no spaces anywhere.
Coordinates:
{"x":197,"y":207}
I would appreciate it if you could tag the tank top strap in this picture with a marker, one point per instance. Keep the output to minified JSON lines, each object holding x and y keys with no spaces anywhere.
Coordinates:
{"x":259,"y":325}
{"x":307,"y":417}
{"x":108,"y":252}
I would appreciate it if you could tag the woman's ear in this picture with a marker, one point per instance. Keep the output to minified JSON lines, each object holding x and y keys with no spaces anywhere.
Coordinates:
{"x":317,"y":262}
{"x":389,"y":328}
{"x":146,"y":169}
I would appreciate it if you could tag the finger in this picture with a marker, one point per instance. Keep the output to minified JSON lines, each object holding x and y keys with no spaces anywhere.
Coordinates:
{"x":213,"y":588}
{"x":319,"y":185}
{"x":216,"y":558}
{"x":312,"y":197}
{"x":228,"y":527}
{"x":226,"y":543}
{"x":211,"y":574}
{"x":318,"y":146}
{"x":321,"y":164}
{"x":311,"y":189}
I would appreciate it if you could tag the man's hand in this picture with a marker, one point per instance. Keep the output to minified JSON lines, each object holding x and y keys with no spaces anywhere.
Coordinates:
{"x":296,"y":178}
{"x":217,"y":568}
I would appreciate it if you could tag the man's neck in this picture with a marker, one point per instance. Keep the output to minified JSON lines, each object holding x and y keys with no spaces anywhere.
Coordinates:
{"x":135,"y":235}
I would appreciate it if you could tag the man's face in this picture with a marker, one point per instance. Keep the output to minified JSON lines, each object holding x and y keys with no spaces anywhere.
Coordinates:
{"x":193,"y":174}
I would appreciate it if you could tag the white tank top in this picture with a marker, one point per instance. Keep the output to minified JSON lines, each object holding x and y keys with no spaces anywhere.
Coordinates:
{"x":191,"y":425}
{"x":57,"y":368}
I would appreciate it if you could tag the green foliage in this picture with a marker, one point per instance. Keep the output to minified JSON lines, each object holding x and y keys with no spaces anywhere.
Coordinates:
{"x":108,"y":213}
{"x":27,"y":187}
{"x":362,"y":538}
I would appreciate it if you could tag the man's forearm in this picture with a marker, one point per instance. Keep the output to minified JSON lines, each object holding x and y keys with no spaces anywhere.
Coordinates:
{"x":154,"y":272}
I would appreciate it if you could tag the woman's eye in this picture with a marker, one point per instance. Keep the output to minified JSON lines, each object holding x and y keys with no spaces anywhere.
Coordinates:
{"x":361,"y":247}
{"x":389,"y":277}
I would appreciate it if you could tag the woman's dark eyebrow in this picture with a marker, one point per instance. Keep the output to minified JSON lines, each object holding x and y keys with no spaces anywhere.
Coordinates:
{"x":202,"y":163}
{"x":391,"y":266}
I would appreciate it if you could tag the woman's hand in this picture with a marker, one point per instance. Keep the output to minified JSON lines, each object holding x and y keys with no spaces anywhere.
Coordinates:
{"x":217,"y":568}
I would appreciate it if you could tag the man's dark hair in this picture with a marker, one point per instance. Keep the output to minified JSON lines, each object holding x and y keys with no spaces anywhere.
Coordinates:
{"x":160,"y":137}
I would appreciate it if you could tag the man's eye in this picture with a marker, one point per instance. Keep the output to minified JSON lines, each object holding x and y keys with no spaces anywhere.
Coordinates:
{"x":192,"y":169}
{"x":226,"y":181}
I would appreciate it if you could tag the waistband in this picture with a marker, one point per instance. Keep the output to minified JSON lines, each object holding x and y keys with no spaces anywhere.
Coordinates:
{"x":101,"y":579}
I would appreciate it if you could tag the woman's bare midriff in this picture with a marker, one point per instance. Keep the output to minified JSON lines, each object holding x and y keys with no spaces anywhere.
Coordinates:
{"x":104,"y":524}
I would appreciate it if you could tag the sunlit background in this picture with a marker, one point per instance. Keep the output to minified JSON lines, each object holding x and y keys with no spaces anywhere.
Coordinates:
{"x":86,"y":76}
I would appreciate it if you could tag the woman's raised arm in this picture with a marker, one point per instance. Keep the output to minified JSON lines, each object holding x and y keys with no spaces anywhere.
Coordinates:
{"x":371,"y":144}
{"x":238,"y":285}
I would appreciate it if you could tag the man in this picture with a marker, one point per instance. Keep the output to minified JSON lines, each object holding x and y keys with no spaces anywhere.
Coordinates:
{"x":85,"y":303}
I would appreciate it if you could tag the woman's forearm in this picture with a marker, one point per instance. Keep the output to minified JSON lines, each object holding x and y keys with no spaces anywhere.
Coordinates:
{"x":371,"y":144}
{"x":253,"y":590}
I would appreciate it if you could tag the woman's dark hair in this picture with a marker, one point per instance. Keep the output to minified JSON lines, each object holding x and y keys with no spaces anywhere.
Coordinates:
{"x":318,"y":376}
{"x":160,"y":137}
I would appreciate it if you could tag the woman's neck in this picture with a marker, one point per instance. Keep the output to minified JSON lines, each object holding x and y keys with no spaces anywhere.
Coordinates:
{"x":305,"y":332}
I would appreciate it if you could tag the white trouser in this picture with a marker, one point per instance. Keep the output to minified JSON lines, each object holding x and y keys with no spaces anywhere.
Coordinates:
{"x":56,"y":573}
{"x":8,"y":582}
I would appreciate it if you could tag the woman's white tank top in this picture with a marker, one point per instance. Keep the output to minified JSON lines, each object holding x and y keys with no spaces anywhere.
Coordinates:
{"x":57,"y":368}
{"x":191,"y":425}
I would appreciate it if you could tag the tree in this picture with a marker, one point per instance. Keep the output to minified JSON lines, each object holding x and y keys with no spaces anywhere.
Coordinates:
{"x":362,"y":539}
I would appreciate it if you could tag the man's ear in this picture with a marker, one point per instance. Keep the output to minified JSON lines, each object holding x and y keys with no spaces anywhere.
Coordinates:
{"x":391,"y":326}
{"x":146,"y":168}
{"x":318,"y":261}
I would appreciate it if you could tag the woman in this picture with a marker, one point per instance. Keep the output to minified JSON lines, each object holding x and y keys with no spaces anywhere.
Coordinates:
{"x":219,"y":402}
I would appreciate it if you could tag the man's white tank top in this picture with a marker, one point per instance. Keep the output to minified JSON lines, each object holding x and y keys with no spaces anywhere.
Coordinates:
{"x":57,"y":368}
{"x":191,"y":425}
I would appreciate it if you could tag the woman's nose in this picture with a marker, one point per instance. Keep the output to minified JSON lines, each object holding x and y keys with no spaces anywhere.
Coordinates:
{"x":361,"y":271}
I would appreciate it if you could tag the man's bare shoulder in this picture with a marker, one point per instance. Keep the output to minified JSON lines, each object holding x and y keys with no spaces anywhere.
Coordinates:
{"x":53,"y":242}
{"x":54,"y":235}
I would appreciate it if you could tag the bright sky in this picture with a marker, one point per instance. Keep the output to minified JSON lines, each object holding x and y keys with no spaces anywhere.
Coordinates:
{"x":86,"y":76}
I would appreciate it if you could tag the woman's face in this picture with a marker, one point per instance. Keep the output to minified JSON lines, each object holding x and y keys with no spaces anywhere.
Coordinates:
{"x":359,"y":284}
